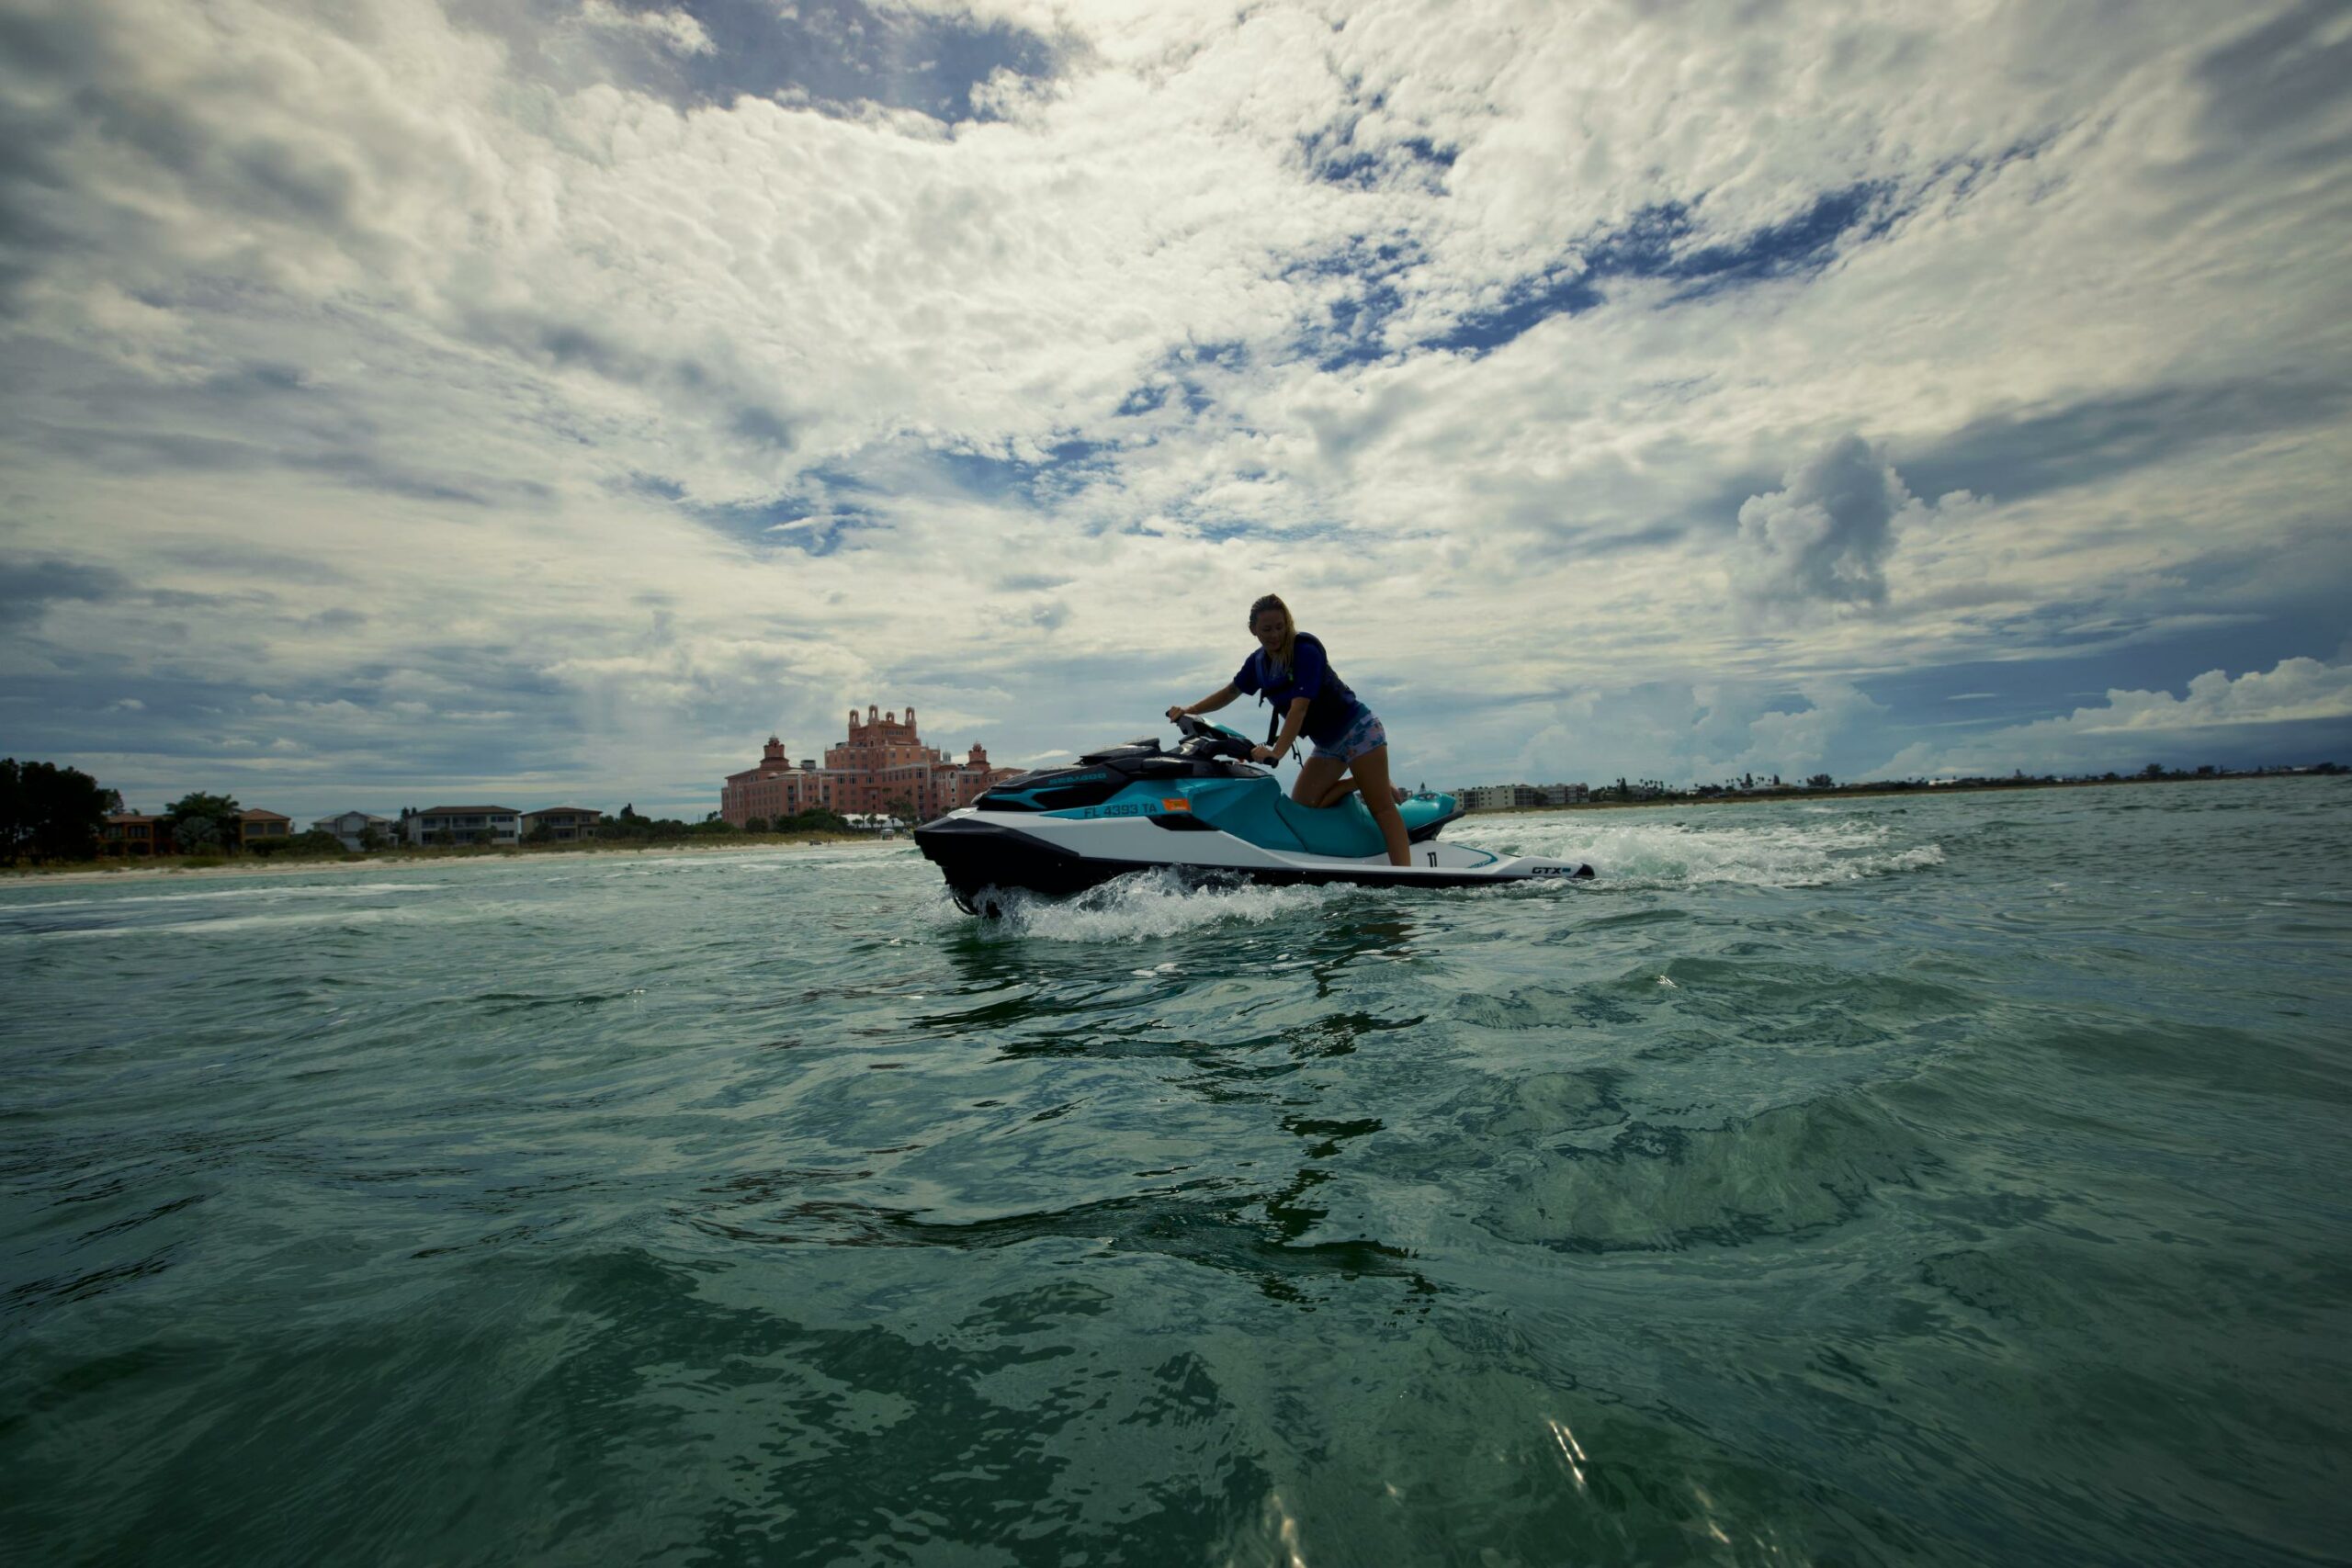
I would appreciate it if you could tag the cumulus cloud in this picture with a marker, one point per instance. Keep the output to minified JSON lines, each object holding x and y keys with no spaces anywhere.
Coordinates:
{"x":1823,"y":536}
{"x":2300,"y":703}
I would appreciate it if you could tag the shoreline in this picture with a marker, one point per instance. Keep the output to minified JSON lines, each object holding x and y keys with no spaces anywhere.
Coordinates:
{"x":1990,"y":786}
{"x":395,"y":860}
{"x":398,"y":859}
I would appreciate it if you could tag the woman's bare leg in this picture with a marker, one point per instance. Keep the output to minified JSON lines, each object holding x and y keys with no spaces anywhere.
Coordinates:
{"x":1337,"y":793}
{"x":1372,"y":772}
{"x":1316,"y":777}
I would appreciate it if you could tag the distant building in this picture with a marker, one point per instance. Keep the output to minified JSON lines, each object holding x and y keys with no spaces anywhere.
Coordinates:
{"x":137,"y":834}
{"x":774,"y":788}
{"x":1506,"y":798}
{"x":352,"y":826}
{"x":128,"y":833}
{"x":565,"y":824}
{"x":883,"y":767}
{"x":503,"y":823}
{"x":256,"y":825}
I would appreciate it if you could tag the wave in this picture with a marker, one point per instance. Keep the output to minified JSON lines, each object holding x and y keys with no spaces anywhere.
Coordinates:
{"x":1146,"y":905}
{"x":1673,"y":854}
{"x":338,"y":890}
{"x":291,"y":919}
{"x":1659,"y":1185}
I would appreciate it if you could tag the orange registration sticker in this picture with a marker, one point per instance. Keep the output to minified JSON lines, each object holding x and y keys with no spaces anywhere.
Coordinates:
{"x":1177,"y":803}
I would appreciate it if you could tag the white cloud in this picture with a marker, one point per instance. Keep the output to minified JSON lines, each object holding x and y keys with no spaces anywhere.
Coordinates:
{"x":342,"y":303}
{"x":676,"y":31}
{"x":2133,"y":728}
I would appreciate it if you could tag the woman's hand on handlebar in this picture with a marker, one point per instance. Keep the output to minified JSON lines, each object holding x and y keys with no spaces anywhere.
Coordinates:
{"x":1177,"y":713}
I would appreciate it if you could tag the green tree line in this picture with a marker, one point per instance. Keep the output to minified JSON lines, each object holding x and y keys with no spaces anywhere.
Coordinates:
{"x":51,"y":813}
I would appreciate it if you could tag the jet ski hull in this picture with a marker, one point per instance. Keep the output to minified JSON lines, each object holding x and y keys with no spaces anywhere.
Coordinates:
{"x":1201,"y":812}
{"x":979,"y":854}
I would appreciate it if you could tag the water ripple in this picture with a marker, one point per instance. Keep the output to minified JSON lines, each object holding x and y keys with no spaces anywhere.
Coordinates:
{"x":1942,"y":1179}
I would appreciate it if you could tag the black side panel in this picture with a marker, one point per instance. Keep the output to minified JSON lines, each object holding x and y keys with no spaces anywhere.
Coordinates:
{"x":975,"y":855}
{"x":1428,"y":830}
{"x":1054,"y":791}
{"x":1126,"y":753}
{"x":1064,"y":796}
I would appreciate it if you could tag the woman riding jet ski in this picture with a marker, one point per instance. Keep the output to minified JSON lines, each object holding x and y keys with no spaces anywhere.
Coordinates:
{"x":1201,"y":810}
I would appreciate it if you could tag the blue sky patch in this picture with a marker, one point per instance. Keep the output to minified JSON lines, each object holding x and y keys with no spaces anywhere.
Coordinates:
{"x":1526,"y":306}
{"x":827,"y":52}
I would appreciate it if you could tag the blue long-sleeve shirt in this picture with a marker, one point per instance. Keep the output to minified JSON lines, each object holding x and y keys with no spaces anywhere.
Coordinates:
{"x":1330,"y":706}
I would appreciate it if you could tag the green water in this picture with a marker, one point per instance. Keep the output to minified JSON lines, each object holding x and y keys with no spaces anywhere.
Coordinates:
{"x":1953,"y":1179}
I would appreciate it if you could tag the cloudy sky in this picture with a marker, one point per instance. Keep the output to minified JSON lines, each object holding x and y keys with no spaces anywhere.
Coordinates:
{"x":545,"y":399}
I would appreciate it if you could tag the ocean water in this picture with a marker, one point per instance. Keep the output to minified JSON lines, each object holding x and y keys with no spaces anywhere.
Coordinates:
{"x":1950,"y":1179}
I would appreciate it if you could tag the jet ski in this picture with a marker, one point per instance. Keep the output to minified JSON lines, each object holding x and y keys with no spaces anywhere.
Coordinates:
{"x":1203,"y":810}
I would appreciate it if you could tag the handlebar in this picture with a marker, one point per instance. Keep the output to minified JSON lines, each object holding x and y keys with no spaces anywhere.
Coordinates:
{"x":1216,"y":741}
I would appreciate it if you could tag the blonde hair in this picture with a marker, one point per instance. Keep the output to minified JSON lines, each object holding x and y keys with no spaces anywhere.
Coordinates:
{"x":1288,"y":648}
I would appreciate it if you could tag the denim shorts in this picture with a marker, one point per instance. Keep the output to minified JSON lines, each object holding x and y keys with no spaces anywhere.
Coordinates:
{"x":1364,"y":735}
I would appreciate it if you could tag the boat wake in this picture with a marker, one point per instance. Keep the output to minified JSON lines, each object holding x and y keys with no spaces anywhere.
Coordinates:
{"x":1146,"y":905}
{"x":1666,"y":855}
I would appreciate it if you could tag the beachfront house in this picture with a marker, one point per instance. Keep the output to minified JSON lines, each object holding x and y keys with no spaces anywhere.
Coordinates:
{"x":259,"y":827}
{"x":564,"y":824}
{"x":465,"y":824}
{"x":352,"y":827}
{"x":131,"y":833}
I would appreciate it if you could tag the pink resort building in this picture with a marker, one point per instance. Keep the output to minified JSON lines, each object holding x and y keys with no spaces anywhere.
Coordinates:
{"x":882,"y":767}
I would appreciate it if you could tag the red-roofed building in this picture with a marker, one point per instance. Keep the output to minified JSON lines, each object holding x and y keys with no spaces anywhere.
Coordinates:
{"x":256,"y":825}
{"x":138,"y":833}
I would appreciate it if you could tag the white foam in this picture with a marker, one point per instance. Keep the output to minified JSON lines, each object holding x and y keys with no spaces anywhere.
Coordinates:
{"x":1646,"y":852}
{"x":1148,"y":906}
{"x":227,"y":924}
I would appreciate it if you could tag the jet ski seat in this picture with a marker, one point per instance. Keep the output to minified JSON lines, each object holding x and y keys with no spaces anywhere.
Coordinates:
{"x":1349,"y":828}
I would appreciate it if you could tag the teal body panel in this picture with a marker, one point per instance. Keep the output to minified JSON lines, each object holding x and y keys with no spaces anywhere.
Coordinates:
{"x":1345,"y":830}
{"x":1258,"y":811}
{"x":1249,"y":809}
